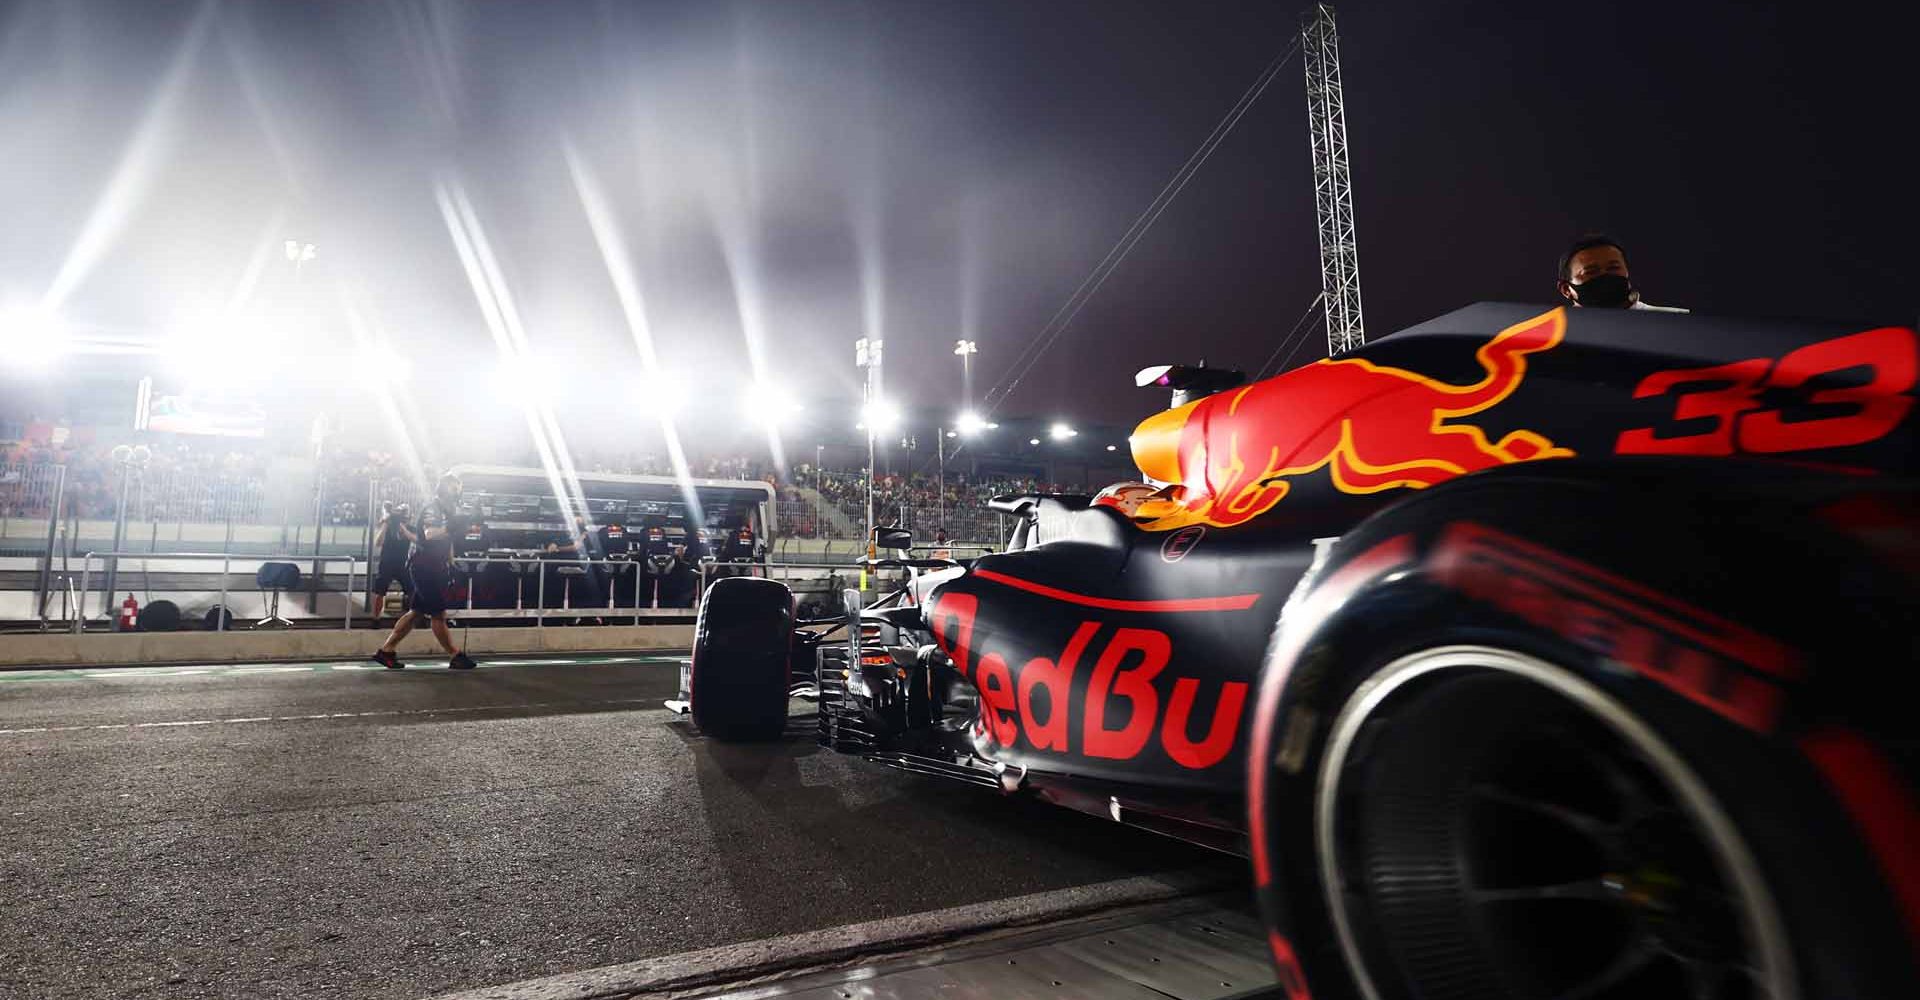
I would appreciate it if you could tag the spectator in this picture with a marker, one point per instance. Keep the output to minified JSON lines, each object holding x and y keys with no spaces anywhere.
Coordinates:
{"x":1593,"y":274}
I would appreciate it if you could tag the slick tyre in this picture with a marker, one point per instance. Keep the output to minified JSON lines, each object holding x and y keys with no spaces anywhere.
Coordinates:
{"x":739,"y":679}
{"x":1541,"y":737}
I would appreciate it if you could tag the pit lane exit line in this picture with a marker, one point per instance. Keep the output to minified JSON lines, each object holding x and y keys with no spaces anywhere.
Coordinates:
{"x":172,"y":724}
{"x":250,"y":669}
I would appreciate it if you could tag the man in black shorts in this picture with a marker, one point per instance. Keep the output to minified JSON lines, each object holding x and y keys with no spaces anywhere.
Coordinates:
{"x":396,"y":539}
{"x":431,"y":570}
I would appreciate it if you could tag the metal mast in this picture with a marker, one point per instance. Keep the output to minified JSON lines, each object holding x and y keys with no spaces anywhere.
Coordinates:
{"x":1332,"y":187}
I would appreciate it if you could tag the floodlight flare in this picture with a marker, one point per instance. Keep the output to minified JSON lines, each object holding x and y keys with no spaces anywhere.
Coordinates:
{"x":31,"y":339}
{"x":879,"y":416}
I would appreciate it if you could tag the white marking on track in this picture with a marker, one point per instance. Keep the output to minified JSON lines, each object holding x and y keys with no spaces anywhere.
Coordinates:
{"x":394,"y":713}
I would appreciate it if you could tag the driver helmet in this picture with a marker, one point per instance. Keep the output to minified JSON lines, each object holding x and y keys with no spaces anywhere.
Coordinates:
{"x":1125,"y":497}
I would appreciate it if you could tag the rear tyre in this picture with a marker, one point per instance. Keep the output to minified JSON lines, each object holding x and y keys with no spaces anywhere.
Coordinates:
{"x":1499,"y":827}
{"x":740,"y":669}
{"x":1530,"y":738}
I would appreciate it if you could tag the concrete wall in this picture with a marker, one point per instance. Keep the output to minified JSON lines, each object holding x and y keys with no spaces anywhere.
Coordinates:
{"x":17,"y":651}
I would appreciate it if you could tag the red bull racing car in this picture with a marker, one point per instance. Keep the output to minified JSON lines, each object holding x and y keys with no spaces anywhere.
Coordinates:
{"x":1525,"y":654}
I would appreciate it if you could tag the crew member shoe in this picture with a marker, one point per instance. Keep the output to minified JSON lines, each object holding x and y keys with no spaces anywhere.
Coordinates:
{"x":461,"y":661}
{"x":387,"y":660}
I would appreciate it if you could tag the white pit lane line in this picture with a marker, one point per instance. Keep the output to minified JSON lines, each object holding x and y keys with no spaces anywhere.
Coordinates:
{"x":464,"y":710}
{"x":320,"y":666}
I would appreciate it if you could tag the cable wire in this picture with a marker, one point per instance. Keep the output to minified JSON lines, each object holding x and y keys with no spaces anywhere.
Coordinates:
{"x":1064,"y":316}
{"x":1262,"y":373}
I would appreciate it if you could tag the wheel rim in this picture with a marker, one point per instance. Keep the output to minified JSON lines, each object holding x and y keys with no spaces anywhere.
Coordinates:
{"x":1489,"y":824}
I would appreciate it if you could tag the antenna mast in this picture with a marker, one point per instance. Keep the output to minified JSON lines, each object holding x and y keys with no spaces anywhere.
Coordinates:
{"x":1332,"y":187}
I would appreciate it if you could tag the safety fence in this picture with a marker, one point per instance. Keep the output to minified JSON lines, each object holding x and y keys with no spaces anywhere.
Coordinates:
{"x":280,"y":493}
{"x":27,"y":490}
{"x":614,"y":589}
{"x":75,"y":593}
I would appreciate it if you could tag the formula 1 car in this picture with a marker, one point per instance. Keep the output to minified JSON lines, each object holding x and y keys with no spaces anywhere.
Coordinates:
{"x":1526,"y":654}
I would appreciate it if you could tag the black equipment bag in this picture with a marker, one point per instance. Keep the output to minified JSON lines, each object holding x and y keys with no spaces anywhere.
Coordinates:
{"x":277,"y":576}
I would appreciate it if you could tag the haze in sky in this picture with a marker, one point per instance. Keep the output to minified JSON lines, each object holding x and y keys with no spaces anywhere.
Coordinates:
{"x":773,"y":180}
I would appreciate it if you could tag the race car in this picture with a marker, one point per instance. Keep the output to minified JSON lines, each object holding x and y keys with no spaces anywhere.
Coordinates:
{"x":1524,"y":653}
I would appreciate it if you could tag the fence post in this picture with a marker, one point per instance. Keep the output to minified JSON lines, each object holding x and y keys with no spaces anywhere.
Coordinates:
{"x":373,"y":504}
{"x":540,"y":611}
{"x":119,"y":529}
{"x":80,"y":609}
{"x":222,"y":613}
{"x":53,"y":522}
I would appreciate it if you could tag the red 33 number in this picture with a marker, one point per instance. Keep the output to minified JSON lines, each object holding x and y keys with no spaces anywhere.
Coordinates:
{"x":1729,"y":396}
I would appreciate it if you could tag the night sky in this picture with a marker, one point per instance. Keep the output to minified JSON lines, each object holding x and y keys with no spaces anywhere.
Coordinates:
{"x":792,"y":175}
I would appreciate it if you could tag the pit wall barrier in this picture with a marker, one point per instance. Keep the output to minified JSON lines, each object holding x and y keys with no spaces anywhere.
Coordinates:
{"x":167,"y":648}
{"x":334,"y":590}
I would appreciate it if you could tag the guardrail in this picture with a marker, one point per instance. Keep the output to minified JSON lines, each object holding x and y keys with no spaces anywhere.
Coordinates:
{"x":226,"y":571}
{"x":469,"y":566}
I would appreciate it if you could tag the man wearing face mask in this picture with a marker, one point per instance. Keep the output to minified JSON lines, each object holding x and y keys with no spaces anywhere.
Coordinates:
{"x":431,"y":568}
{"x":1593,"y":275}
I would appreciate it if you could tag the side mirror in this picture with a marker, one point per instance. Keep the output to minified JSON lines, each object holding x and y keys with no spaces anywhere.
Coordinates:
{"x":1189,"y":382}
{"x":893,"y":538}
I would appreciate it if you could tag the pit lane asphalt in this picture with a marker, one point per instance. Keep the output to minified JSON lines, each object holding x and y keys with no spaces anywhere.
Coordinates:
{"x":325,"y":830}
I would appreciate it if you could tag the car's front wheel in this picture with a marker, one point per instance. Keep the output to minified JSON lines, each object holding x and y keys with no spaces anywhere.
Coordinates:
{"x":740,"y":675}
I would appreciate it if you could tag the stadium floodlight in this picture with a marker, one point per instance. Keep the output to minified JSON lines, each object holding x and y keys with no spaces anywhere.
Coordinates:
{"x":663,"y":395}
{"x":970,"y":423}
{"x":879,"y":415}
{"x":1033,"y":441}
{"x":1061,"y":432}
{"x":769,"y":406}
{"x":382,"y":364}
{"x":30,"y":339}
{"x":1112,"y":447}
{"x":223,"y":351}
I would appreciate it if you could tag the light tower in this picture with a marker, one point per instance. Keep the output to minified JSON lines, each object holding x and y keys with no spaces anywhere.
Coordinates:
{"x":966,"y":349}
{"x":1332,"y":187}
{"x":866,"y":355}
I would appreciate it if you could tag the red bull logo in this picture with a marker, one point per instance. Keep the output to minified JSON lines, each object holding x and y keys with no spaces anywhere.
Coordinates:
{"x":1229,"y":457}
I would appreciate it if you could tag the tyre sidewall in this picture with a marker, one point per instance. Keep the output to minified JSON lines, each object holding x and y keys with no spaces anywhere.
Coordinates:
{"x":1844,"y":931}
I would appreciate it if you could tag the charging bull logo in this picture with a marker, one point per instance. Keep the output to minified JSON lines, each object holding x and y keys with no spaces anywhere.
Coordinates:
{"x":1228,"y":457}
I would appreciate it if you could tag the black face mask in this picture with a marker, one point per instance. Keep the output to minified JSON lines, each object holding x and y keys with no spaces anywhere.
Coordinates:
{"x":1605,"y":291}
